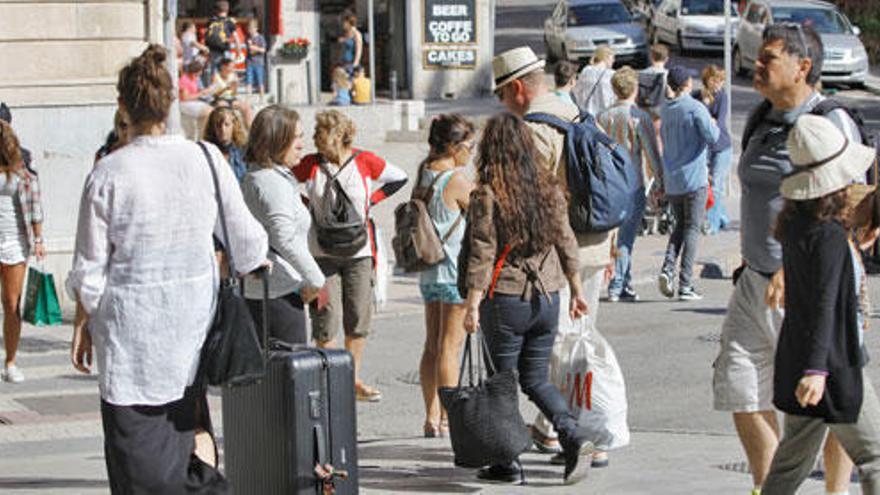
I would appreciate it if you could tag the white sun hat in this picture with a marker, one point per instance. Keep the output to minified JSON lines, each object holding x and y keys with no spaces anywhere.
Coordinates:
{"x":513,"y":64}
{"x":823,"y":159}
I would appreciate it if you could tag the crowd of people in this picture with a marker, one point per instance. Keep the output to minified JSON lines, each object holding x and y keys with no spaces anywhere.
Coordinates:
{"x":148,"y":257}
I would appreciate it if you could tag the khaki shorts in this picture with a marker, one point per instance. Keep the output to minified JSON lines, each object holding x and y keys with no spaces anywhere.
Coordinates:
{"x":743,"y":377}
{"x":350,"y":287}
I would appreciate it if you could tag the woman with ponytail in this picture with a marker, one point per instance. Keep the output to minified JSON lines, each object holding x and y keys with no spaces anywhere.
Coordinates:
{"x":452,"y":140}
{"x":145,"y":280}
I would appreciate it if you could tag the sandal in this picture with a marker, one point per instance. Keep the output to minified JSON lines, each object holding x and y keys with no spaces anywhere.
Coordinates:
{"x":444,"y":427}
{"x":432,"y":430}
{"x":364,"y":393}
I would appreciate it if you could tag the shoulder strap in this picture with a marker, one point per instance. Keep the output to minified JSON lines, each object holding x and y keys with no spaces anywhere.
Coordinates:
{"x":595,"y":86}
{"x":829,"y":105}
{"x":548,"y":119}
{"x":754,"y":120}
{"x":322,"y":163}
{"x":221,"y":212}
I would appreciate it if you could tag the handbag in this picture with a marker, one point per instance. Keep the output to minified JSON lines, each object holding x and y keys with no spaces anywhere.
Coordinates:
{"x":485,"y":425}
{"x":41,"y":300}
{"x":231,"y":354}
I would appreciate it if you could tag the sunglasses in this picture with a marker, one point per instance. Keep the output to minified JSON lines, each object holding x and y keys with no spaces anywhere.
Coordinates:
{"x":801,"y":37}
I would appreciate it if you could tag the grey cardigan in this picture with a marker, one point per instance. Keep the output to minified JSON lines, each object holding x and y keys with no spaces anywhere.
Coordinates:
{"x":274,"y":197}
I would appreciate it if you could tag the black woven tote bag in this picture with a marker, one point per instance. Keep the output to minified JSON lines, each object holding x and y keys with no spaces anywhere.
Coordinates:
{"x":485,"y":425}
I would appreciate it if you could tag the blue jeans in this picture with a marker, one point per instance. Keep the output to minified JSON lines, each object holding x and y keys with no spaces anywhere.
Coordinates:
{"x":255,"y":76}
{"x":626,"y":239}
{"x":689,"y":210}
{"x":719,"y":168}
{"x":520,"y":335}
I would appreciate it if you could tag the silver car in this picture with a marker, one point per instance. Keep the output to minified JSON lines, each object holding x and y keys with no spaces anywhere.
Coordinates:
{"x":846,"y":60}
{"x":692,"y":25}
{"x":577,"y":27}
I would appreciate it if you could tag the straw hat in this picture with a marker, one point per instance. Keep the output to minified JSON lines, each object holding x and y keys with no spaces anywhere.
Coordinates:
{"x":823,"y":159}
{"x":513,"y":64}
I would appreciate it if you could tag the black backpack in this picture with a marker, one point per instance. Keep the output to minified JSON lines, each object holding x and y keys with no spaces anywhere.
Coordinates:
{"x":340,"y":229}
{"x":652,"y":87}
{"x":216,"y":36}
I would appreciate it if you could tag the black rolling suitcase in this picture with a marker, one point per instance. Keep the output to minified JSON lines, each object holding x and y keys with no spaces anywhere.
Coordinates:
{"x":295,"y":431}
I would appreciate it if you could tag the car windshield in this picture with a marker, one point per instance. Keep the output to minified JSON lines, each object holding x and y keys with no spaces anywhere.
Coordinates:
{"x":825,"y":21}
{"x":597,"y":14}
{"x":705,"y":7}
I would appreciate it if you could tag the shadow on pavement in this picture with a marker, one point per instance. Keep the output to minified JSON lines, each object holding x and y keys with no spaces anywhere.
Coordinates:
{"x":46,"y":483}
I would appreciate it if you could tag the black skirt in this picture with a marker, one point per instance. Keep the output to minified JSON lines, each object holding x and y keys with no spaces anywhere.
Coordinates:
{"x":149,"y":449}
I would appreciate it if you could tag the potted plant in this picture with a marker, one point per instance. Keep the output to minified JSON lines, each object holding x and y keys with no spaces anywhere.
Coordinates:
{"x":294,"y":49}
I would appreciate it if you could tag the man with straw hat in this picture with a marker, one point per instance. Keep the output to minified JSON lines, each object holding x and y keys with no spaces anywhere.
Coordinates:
{"x":818,"y":381}
{"x":522,"y":86}
{"x":786,"y":73}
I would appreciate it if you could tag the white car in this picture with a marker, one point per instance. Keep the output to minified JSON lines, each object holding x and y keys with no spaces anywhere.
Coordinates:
{"x":577,"y":27}
{"x":846,"y":60}
{"x":692,"y":24}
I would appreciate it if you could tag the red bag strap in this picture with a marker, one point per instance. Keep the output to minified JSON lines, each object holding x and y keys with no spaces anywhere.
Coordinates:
{"x":497,"y":272}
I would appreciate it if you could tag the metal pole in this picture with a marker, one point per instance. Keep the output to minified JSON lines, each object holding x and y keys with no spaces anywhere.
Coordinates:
{"x":172,"y":126}
{"x":727,"y":60}
{"x":371,"y":27}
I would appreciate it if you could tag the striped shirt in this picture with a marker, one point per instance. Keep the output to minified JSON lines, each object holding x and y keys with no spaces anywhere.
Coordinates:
{"x":634,"y":129}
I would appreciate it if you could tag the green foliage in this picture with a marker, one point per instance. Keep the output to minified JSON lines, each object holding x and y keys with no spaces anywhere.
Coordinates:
{"x":866,"y":15}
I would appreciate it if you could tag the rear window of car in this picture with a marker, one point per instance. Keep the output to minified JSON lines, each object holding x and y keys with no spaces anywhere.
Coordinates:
{"x":598,"y":14}
{"x":825,"y":21}
{"x":705,"y":7}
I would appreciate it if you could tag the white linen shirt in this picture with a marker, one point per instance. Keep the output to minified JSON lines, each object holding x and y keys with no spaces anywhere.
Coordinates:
{"x":144,"y":266}
{"x":594,"y":76}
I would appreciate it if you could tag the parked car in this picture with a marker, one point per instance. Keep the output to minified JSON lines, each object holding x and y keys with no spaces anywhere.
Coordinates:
{"x":846,"y":60}
{"x":577,"y":27}
{"x":692,"y":24}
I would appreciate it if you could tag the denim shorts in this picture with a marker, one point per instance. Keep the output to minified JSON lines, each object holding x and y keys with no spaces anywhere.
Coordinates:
{"x":255,"y":76}
{"x":445,"y":293}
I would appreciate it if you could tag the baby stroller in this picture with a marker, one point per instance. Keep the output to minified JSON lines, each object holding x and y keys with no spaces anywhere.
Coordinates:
{"x":658,"y":217}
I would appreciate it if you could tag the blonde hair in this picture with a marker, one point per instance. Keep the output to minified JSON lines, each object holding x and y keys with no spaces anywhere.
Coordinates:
{"x":215,"y":121}
{"x":710,"y":73}
{"x":603,"y":53}
{"x":340,"y":78}
{"x":330,"y":121}
{"x":625,"y":82}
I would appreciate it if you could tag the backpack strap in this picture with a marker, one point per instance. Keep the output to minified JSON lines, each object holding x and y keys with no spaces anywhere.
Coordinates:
{"x":595,"y":86}
{"x":828,"y":105}
{"x":334,"y":178}
{"x":548,"y":119}
{"x":755,"y":118}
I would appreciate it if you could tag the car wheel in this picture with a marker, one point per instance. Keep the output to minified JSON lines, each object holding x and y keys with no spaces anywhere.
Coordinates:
{"x":680,"y":41}
{"x":738,"y":67}
{"x":551,"y":55}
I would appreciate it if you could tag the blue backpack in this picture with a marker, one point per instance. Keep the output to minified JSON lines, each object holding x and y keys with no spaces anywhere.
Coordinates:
{"x":602,"y":182}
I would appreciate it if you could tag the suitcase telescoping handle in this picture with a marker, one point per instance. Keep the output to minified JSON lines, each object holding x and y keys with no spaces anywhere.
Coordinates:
{"x":263,"y":274}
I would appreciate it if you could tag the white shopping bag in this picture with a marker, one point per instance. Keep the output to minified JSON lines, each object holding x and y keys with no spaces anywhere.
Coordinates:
{"x":590,"y":379}
{"x":380,"y":285}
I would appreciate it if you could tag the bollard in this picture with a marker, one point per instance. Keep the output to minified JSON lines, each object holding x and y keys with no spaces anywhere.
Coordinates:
{"x":392,"y":83}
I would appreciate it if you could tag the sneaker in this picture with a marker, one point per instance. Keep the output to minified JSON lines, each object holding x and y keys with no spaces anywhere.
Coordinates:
{"x":12,"y":374}
{"x":577,"y":461}
{"x":664,"y":283}
{"x":600,"y":460}
{"x":613,"y":298}
{"x":628,"y":294}
{"x":689,"y":294}
{"x":543,"y":443}
{"x":511,"y":474}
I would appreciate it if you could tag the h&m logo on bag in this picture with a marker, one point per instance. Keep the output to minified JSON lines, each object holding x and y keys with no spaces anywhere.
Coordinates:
{"x":580,"y":393}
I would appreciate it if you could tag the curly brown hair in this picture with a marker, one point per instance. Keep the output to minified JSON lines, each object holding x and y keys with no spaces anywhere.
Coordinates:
{"x":10,"y":150}
{"x":145,"y":87}
{"x":215,"y":121}
{"x":524,"y":192}
{"x":832,"y":206}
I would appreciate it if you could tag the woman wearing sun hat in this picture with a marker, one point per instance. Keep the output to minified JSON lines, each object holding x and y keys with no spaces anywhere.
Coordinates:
{"x":818,"y":381}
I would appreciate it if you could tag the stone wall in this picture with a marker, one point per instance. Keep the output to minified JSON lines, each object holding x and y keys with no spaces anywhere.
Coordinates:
{"x":60,"y":62}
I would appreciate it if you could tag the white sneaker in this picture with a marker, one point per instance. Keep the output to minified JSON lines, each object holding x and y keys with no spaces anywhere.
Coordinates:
{"x":13,"y":375}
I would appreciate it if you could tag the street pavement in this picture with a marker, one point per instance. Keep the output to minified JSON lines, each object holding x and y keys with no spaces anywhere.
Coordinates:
{"x":50,"y":431}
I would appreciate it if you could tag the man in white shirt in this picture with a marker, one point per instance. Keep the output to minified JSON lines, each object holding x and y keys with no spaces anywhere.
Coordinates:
{"x":593,"y":92}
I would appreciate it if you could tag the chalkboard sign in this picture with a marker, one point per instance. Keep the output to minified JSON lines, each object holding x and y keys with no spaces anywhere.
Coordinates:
{"x":448,"y":57}
{"x":450,"y":22}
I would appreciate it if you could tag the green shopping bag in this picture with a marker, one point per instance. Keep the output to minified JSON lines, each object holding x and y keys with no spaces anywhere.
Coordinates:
{"x":40,"y":300}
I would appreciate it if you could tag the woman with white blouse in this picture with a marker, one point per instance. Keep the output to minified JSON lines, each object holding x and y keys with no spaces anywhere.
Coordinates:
{"x":274,"y":196}
{"x":145,"y":280}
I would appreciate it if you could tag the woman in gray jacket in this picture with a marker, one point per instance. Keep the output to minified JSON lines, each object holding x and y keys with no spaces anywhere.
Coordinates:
{"x":273,"y":195}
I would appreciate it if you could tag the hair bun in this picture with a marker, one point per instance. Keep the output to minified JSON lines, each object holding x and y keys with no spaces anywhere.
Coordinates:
{"x":155,"y":54}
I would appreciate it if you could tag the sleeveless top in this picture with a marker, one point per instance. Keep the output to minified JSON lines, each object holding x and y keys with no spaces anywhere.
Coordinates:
{"x":12,"y":226}
{"x":348,"y":49}
{"x":445,"y":272}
